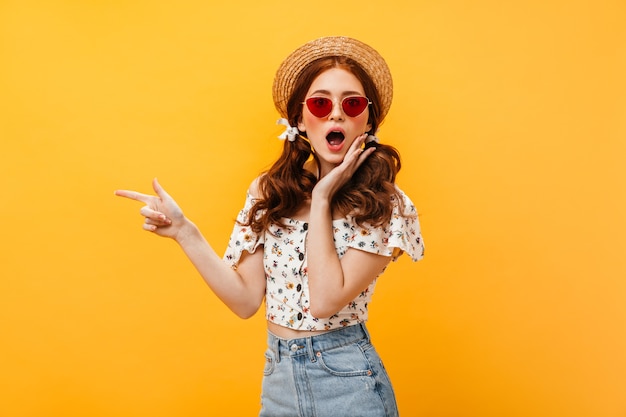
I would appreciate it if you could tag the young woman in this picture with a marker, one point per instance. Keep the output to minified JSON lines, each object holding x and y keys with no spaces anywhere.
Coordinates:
{"x":316,"y":231}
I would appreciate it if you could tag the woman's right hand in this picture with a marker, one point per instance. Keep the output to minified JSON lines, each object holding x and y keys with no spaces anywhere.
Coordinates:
{"x":328,"y":185}
{"x":162,"y":215}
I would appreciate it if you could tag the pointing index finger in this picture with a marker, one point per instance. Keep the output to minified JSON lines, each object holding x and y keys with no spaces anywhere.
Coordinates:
{"x":133,"y":195}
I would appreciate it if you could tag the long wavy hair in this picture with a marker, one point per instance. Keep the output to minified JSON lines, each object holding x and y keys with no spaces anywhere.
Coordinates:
{"x":366,"y":197}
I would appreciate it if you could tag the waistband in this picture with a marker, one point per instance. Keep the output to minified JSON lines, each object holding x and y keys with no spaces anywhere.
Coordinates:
{"x":311,"y":345}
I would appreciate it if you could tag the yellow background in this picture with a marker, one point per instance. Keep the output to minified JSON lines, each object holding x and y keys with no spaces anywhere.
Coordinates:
{"x":511,"y":119}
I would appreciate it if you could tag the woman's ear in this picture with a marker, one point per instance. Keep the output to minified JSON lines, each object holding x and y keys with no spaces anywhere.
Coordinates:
{"x":301,"y":126}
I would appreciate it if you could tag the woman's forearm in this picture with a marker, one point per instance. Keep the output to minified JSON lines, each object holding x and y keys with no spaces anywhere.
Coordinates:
{"x":241,"y":290}
{"x":325,"y":272}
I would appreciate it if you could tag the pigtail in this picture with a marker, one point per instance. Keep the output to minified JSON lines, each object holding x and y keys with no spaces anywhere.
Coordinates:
{"x":283,"y":187}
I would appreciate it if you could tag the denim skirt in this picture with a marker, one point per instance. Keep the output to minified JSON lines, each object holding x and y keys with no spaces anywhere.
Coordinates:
{"x":335,"y":374}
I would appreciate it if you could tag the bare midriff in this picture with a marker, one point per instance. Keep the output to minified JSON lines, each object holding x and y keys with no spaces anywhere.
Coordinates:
{"x":287,"y":333}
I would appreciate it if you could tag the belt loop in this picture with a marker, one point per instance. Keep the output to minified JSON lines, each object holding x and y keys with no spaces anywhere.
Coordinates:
{"x":367,"y":334}
{"x":276,"y":348}
{"x":309,"y":348}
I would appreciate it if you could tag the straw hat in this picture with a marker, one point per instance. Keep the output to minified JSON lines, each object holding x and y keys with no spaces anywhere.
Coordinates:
{"x":364,"y":55}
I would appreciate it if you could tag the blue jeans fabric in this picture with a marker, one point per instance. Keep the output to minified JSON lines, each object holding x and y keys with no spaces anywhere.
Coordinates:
{"x":334,"y":374}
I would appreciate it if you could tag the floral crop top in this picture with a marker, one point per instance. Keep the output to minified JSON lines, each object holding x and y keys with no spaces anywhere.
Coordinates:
{"x":285,"y":262}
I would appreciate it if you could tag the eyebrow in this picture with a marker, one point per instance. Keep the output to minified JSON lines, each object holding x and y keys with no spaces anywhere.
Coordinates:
{"x":343,"y":94}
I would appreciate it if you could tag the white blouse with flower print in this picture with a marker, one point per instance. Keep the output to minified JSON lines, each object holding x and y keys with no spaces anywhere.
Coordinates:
{"x":285,"y":261}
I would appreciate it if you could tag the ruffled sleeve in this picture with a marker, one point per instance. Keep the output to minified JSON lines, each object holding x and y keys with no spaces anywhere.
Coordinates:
{"x":402,"y":234}
{"x":242,"y":238}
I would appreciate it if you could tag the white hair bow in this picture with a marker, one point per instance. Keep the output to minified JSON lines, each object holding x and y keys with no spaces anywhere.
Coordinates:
{"x":372,"y":138}
{"x":290,"y":132}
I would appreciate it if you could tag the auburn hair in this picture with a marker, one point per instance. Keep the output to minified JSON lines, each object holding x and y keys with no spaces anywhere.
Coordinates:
{"x":367,"y":197}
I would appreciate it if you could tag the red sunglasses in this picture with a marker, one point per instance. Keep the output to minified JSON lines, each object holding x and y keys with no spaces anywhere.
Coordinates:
{"x":352,"y":106}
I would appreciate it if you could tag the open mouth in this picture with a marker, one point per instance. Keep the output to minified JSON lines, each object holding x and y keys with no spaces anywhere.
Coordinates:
{"x":335,"y":138}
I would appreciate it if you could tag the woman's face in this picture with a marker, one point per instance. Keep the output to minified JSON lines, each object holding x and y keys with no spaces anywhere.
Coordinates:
{"x":332,"y":135}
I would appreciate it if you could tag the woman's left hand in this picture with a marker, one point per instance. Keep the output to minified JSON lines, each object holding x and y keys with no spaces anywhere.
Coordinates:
{"x":338,"y":176}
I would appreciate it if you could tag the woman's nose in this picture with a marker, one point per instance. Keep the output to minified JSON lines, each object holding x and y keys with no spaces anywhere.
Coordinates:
{"x":337,"y":112}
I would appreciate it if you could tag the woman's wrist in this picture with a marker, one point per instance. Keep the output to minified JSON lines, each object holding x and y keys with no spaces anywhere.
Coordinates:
{"x":320,"y":205}
{"x":187,"y":233}
{"x":320,"y":198}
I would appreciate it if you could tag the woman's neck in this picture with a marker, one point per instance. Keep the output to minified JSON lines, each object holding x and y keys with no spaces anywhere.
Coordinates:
{"x":314,"y":167}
